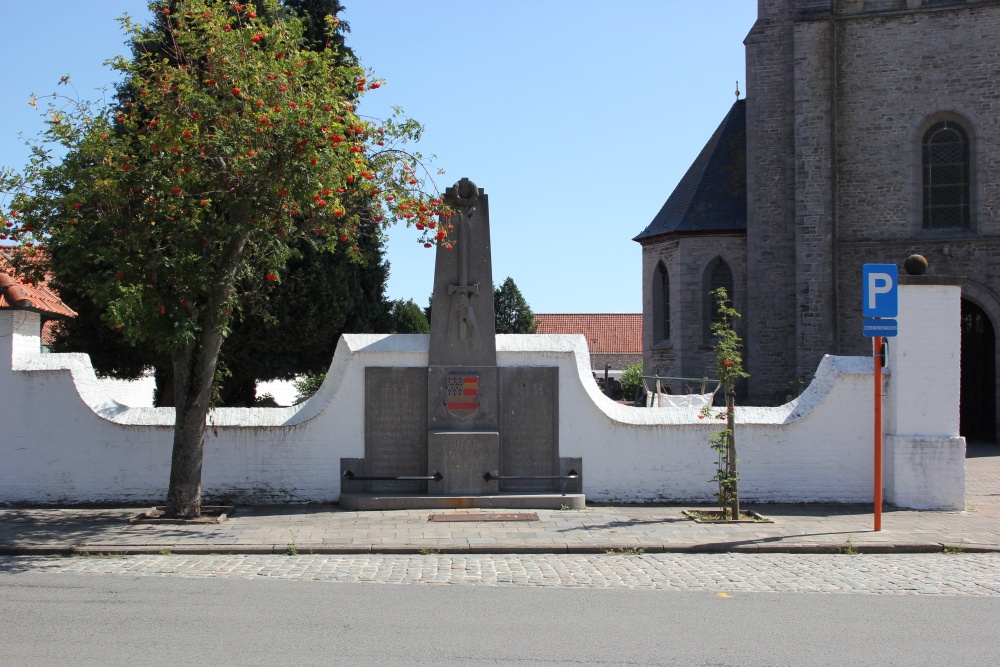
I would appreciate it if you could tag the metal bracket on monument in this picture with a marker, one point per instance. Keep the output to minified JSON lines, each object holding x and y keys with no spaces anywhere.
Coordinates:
{"x":572,"y":475}
{"x":436,"y":477}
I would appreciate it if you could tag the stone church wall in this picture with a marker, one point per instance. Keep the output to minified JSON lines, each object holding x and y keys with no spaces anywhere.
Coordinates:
{"x":770,"y":200}
{"x":916,"y":67}
{"x":875,"y":75}
{"x":688,"y":353}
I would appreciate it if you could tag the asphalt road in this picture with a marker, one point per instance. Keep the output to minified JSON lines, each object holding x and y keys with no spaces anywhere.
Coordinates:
{"x":124,"y":619}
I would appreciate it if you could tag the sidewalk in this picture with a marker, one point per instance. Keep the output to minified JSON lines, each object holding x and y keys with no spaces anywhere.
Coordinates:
{"x":597,"y":529}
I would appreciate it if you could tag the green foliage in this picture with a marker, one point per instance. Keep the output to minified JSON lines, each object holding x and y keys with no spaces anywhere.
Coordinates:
{"x":728,"y":345}
{"x":631,"y":380}
{"x":307,"y":385}
{"x":729,"y":366}
{"x":513,"y":314}
{"x":407,"y":317}
{"x":285,"y":329}
{"x":850,"y":550}
{"x":229,"y":141}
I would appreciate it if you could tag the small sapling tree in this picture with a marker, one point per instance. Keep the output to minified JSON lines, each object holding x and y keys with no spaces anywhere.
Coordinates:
{"x":729,"y":366}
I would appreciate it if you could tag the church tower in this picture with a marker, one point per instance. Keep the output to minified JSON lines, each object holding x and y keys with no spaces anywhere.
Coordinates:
{"x":872,"y":133}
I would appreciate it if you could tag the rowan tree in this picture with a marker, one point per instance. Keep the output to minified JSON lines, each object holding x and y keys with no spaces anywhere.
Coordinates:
{"x":228,"y":142}
{"x":321,"y":295}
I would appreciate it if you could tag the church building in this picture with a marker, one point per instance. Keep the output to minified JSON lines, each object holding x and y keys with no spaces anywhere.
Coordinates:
{"x":870,"y":131}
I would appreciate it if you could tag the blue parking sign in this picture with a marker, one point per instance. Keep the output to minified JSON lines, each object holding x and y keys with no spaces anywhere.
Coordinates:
{"x":880,"y":290}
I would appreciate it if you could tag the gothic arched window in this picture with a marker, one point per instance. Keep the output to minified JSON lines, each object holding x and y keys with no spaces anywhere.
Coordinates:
{"x":661,"y":304}
{"x":946,"y":186}
{"x":719,"y":275}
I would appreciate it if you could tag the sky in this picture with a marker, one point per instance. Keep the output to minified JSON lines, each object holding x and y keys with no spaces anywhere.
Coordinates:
{"x":576,"y":117}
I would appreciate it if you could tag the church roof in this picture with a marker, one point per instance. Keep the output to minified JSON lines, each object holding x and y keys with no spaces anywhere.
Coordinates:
{"x":712,"y":196}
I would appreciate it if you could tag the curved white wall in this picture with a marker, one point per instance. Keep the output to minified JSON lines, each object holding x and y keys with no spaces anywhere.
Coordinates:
{"x":65,"y":440}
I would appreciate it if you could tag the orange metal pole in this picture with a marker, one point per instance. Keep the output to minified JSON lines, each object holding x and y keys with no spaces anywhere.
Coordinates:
{"x":877,"y":359}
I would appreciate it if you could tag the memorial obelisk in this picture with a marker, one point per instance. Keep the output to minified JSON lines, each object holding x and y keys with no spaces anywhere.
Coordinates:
{"x":462,"y":419}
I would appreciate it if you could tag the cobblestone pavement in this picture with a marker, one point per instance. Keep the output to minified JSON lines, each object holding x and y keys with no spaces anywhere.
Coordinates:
{"x":723,"y":574}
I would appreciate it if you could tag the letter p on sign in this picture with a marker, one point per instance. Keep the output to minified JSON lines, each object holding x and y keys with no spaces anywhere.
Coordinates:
{"x":881,"y":294}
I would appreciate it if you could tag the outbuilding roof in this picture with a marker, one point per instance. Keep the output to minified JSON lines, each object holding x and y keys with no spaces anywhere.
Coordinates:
{"x":18,"y":295}
{"x":606,"y":333}
{"x":712,"y":196}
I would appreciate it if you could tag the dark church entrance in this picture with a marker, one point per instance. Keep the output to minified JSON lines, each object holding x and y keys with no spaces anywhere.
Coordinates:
{"x":978,"y":411}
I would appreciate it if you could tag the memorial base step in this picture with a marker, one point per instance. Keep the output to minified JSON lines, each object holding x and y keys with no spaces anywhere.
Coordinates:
{"x":511,"y":501}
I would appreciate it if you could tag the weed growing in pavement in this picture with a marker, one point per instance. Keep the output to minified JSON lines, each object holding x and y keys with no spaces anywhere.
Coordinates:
{"x":86,"y":553}
{"x":428,"y":552}
{"x":166,"y":551}
{"x":563,"y":508}
{"x":957,"y":549}
{"x":626,"y":551}
{"x":292,"y":549}
{"x":849,"y":549}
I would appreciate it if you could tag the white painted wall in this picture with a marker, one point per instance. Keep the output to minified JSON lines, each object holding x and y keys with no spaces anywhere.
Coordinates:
{"x":139,"y":393}
{"x":66,"y":440}
{"x":924,"y":454}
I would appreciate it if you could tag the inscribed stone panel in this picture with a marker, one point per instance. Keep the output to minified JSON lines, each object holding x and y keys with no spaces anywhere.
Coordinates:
{"x":529,"y":427}
{"x":395,"y":428}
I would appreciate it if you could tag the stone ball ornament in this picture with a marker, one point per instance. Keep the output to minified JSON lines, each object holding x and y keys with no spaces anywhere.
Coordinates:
{"x":915,"y":265}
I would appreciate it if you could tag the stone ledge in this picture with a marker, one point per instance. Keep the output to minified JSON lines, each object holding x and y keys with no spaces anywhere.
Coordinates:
{"x":540,"y":501}
{"x":958,"y":281}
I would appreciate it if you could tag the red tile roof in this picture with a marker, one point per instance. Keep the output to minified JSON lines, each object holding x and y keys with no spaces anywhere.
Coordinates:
{"x":15,"y":294}
{"x":606,"y":333}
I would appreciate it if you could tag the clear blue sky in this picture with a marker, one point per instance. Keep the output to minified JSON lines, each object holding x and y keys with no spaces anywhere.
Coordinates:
{"x":578,"y":117}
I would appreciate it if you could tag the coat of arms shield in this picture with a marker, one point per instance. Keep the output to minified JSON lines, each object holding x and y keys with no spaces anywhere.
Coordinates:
{"x":463,"y":395}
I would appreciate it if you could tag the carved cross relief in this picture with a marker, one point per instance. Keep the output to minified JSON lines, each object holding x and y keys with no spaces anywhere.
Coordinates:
{"x":462,"y":324}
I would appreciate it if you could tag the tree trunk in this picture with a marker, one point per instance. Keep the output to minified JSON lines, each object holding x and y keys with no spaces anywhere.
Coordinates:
{"x":731,"y":452}
{"x":194,"y":372}
{"x":163,"y":395}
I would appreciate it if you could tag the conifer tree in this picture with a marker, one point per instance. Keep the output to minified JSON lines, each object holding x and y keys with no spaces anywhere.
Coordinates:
{"x":513,"y":314}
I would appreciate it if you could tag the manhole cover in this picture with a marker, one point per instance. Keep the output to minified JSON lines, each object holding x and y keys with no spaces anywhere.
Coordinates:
{"x":483,"y":516}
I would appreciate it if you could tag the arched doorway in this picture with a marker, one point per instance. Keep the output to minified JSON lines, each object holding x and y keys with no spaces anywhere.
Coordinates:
{"x":978,"y":397}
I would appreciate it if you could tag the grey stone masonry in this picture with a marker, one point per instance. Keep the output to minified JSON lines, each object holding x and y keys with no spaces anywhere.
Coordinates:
{"x":463,"y":331}
{"x":770,"y":200}
{"x":839,"y":96}
{"x":462,"y":419}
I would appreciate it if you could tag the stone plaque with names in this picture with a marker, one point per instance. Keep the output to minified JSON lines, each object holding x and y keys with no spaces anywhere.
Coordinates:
{"x":395,"y":428}
{"x":529,"y":428}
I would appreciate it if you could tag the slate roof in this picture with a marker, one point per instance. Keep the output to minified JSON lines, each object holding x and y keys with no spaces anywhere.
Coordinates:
{"x":19,"y":296}
{"x":606,"y":333}
{"x":712,"y":196}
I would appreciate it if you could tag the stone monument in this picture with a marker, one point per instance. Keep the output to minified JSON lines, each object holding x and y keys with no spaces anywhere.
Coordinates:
{"x":462,"y":359}
{"x":462,"y":432}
